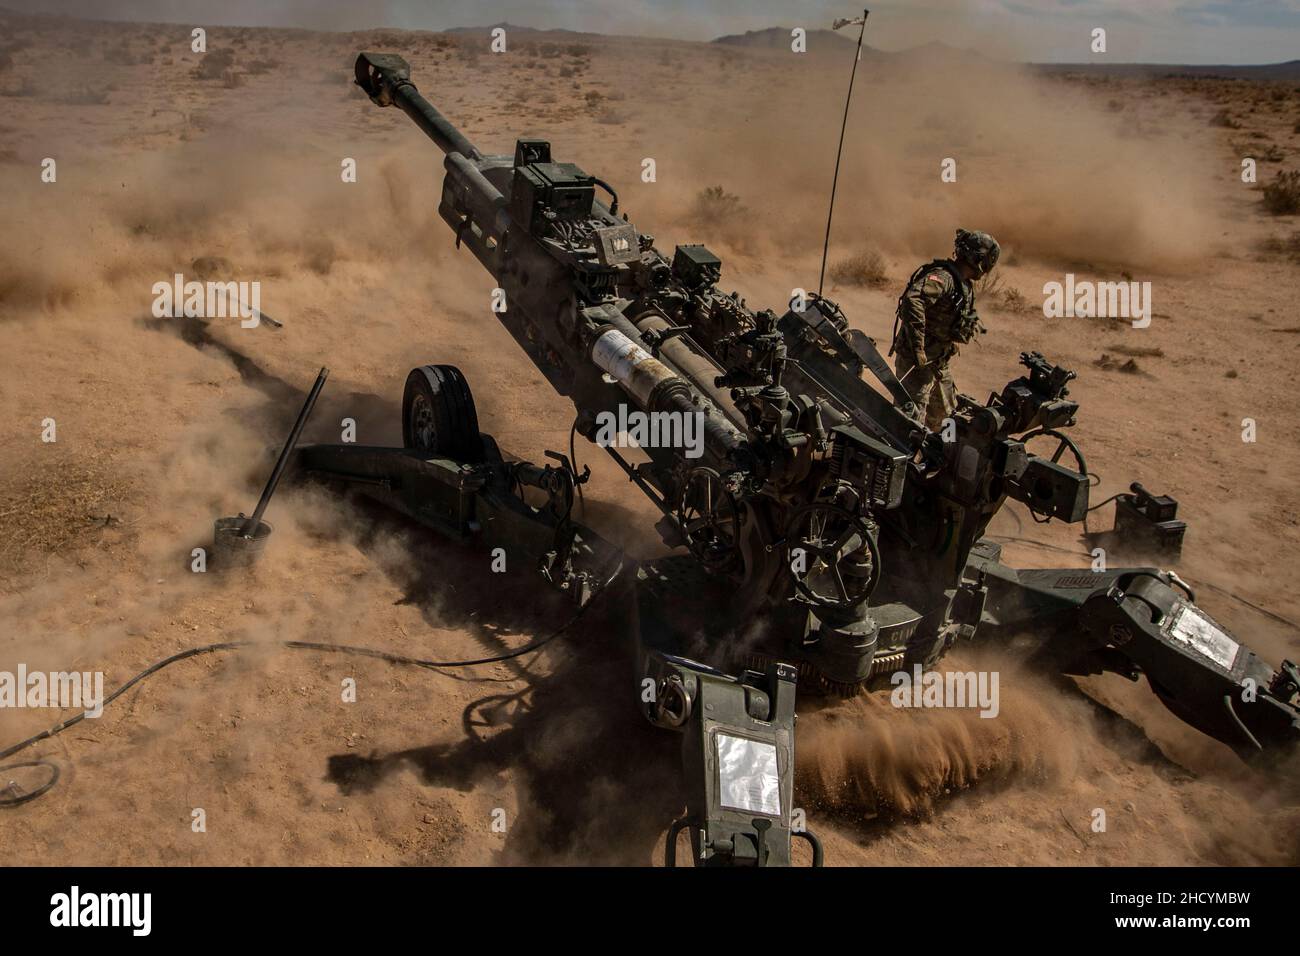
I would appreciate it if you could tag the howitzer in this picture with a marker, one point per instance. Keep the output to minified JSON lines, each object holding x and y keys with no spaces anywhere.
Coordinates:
{"x":826,"y":538}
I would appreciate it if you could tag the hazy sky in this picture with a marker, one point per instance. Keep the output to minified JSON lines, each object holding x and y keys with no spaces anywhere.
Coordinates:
{"x":1170,"y":31}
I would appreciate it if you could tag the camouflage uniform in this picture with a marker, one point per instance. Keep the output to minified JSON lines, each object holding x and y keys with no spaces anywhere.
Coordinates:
{"x":936,"y":313}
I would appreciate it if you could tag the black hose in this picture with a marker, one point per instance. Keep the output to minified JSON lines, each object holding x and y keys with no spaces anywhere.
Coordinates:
{"x":613,"y":206}
{"x":1106,"y":502}
{"x":152,"y":669}
{"x":1094,"y":508}
{"x":20,"y":798}
{"x":296,"y":645}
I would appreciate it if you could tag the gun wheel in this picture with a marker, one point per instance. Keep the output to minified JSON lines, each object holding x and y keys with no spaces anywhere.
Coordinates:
{"x":708,"y":517}
{"x":438,"y":414}
{"x":1064,"y":443}
{"x":832,"y":556}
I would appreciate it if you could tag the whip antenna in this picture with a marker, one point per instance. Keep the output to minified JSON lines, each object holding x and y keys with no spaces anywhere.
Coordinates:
{"x":847,"y":99}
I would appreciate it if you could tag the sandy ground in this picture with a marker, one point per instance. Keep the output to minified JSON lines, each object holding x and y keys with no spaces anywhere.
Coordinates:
{"x":163,"y":426}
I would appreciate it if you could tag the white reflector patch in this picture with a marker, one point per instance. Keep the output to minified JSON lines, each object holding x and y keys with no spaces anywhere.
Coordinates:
{"x":748,"y":775}
{"x":1202,"y":635}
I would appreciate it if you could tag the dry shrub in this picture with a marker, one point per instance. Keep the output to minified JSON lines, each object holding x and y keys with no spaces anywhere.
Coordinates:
{"x":121,"y":55}
{"x":1137,"y":351}
{"x":993,"y":288}
{"x":1282,"y":195}
{"x":1013,"y":300}
{"x":319,"y":254}
{"x":1108,"y":363}
{"x":717,"y":216}
{"x":214,"y":65}
{"x":1288,"y":247}
{"x":87,"y":97}
{"x":25,"y":88}
{"x":865,"y":268}
{"x":715,"y":204}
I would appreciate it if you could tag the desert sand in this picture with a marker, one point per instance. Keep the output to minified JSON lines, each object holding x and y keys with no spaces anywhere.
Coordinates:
{"x":165,"y":156}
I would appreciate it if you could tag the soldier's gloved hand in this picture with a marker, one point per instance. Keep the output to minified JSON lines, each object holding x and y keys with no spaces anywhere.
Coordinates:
{"x":921,"y":360}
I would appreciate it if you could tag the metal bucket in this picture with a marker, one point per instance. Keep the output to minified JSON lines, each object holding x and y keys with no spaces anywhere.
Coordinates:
{"x":231,"y":548}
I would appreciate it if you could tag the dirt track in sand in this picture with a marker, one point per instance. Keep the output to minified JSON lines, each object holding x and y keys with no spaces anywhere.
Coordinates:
{"x":162,"y":427}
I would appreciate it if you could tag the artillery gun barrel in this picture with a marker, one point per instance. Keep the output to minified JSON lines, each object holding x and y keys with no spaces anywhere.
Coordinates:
{"x":434,"y":125}
{"x":386,"y":78}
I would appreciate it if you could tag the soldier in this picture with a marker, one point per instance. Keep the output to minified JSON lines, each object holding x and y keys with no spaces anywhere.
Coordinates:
{"x":936,"y":313}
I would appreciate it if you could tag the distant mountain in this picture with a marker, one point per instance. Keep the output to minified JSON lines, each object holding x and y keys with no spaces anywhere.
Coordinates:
{"x":514,"y":28}
{"x":823,"y":41}
{"x":1288,"y":72}
{"x":830,"y":41}
{"x":778,"y":38}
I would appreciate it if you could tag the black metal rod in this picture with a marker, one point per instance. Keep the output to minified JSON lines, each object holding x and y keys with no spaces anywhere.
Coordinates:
{"x":432,"y":123}
{"x":250,"y":526}
{"x":835,"y":180}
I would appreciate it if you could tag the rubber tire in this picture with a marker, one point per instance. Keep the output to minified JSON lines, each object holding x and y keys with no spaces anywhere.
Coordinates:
{"x":443,"y":389}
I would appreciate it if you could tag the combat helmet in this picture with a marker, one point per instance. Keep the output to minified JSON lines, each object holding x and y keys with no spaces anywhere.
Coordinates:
{"x":978,"y":250}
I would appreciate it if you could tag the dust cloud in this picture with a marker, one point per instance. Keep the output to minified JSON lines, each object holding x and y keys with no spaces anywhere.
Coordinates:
{"x":1136,"y":196}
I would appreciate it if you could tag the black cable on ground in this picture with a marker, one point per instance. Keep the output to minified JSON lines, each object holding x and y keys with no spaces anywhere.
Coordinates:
{"x":10,"y":793}
{"x":1254,"y":607}
{"x":152,"y":669}
{"x":296,"y":645}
